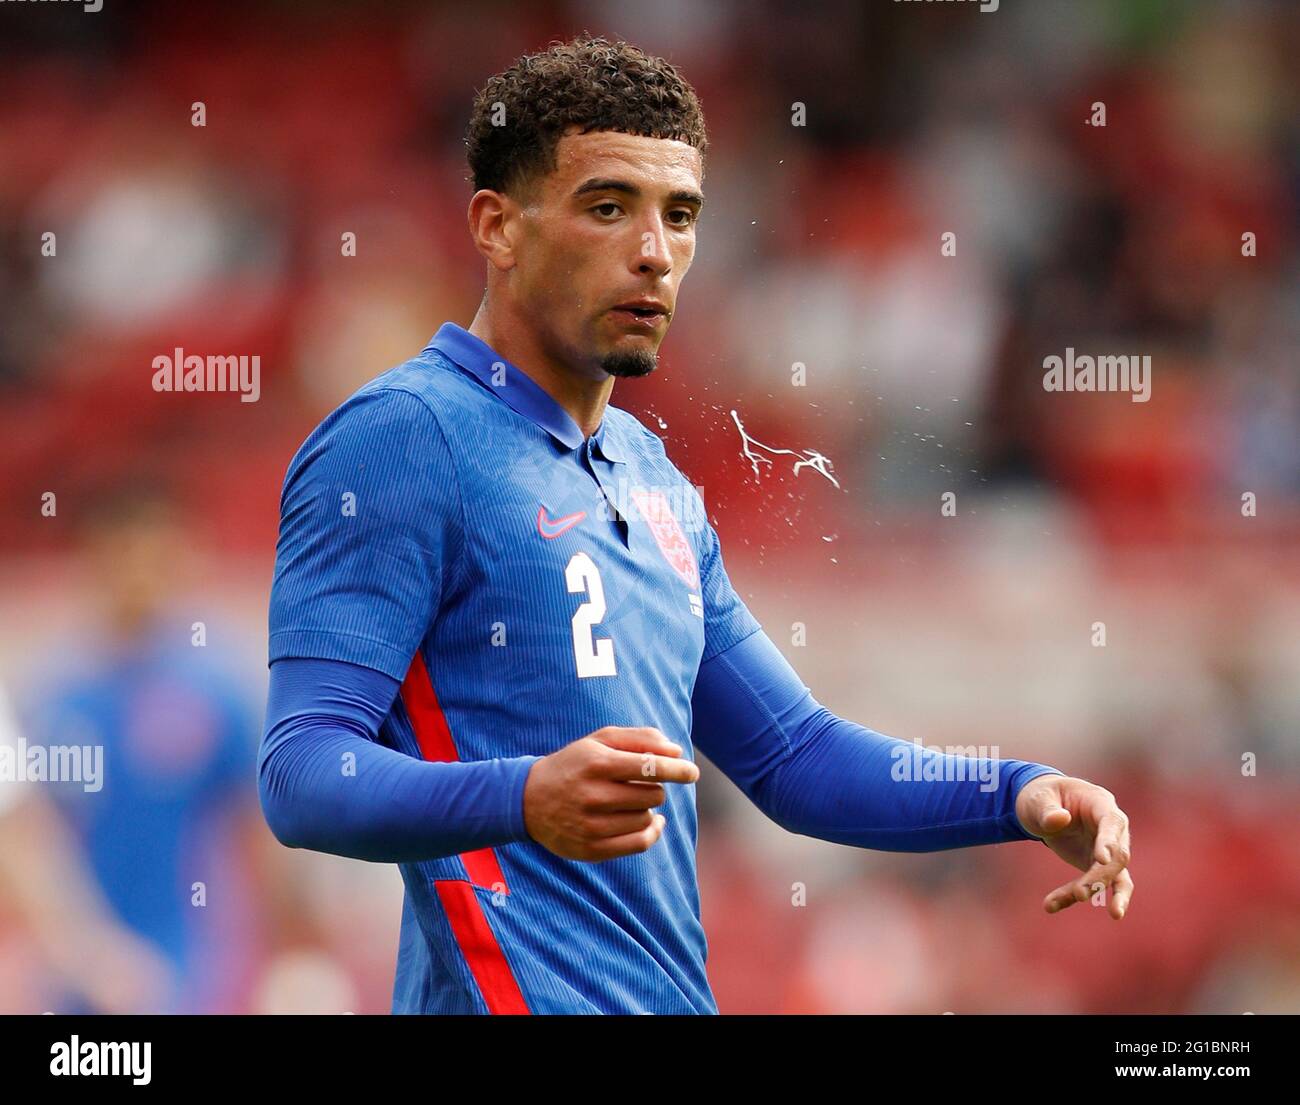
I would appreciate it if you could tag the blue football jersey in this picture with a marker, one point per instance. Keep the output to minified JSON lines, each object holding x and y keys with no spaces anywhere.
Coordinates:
{"x":450,"y":525}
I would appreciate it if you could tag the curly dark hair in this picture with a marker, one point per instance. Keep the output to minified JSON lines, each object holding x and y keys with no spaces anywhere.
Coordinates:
{"x":597,"y":84}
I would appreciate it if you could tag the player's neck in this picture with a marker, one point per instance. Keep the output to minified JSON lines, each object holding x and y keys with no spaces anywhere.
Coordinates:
{"x":582,"y":398}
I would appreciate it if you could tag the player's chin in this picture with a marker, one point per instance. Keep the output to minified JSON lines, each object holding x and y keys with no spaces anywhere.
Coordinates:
{"x":628,"y":360}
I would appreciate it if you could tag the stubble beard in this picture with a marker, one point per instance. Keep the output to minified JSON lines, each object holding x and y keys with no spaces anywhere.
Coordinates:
{"x":631,"y":363}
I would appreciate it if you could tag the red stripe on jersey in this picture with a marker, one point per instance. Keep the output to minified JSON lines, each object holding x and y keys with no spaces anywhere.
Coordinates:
{"x":487,"y":962}
{"x":431,"y":729}
{"x":433,"y":735}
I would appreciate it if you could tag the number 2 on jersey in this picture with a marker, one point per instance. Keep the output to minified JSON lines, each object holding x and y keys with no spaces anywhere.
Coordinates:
{"x":593,"y":655}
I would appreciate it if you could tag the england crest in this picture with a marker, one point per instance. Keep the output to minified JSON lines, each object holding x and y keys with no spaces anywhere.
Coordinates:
{"x":653,"y":507}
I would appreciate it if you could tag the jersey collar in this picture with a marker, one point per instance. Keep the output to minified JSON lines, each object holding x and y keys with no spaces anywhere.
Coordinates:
{"x":520,"y":391}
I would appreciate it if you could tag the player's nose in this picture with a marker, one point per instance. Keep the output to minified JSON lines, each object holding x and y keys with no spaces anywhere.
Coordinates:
{"x":652,"y":255}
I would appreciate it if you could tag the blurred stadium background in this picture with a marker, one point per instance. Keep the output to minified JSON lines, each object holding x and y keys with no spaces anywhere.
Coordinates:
{"x":820,"y":246}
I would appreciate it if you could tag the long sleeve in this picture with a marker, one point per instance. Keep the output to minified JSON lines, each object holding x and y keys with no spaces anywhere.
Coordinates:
{"x":326,"y":784}
{"x":820,"y":775}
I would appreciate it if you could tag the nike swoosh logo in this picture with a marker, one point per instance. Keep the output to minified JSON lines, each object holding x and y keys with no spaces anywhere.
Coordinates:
{"x":552,"y":529}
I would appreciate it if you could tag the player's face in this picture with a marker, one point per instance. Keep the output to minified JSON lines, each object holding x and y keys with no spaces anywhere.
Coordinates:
{"x":612,"y":225}
{"x":135,"y":563}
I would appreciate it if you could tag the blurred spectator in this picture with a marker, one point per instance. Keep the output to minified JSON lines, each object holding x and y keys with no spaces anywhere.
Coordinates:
{"x":156,"y":808}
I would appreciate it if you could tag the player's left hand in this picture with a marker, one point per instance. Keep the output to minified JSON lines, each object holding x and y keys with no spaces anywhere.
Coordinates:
{"x":1082,"y":823}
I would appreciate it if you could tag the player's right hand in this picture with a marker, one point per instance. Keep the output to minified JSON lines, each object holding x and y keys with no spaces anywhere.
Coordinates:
{"x":592,"y":799}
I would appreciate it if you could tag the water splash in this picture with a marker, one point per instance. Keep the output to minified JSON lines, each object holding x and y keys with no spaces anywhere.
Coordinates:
{"x":808,"y":458}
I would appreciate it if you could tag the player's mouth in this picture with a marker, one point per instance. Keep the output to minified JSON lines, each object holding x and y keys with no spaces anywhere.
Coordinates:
{"x":644,"y":314}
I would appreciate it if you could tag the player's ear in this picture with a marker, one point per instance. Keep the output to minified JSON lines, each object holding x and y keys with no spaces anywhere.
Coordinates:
{"x":493,"y":219}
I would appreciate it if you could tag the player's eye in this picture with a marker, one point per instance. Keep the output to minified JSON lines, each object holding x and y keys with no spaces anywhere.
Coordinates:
{"x":609,"y":205}
{"x":686,"y":216}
